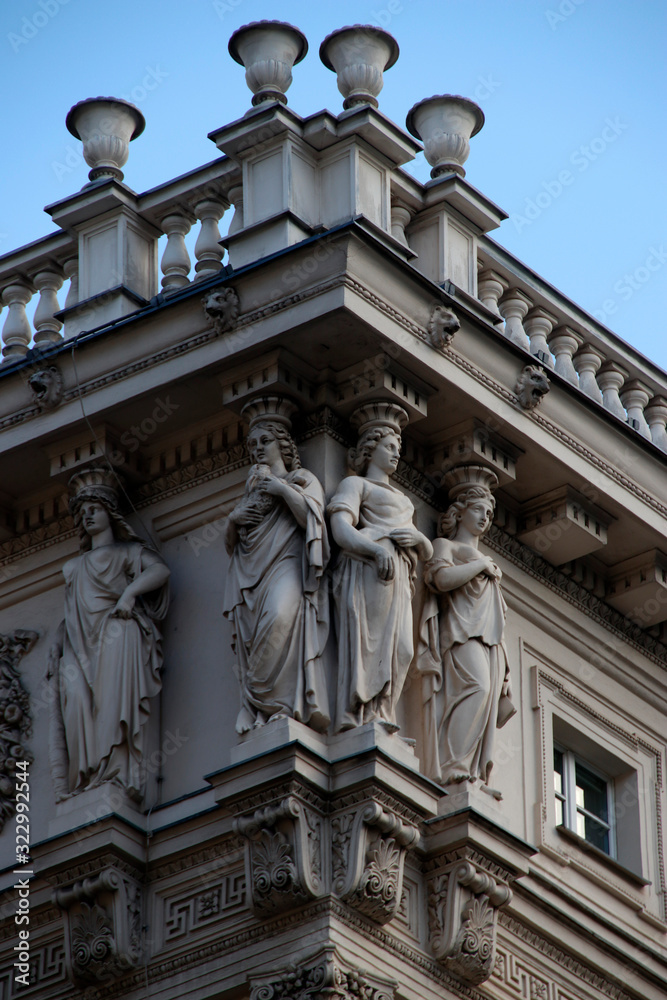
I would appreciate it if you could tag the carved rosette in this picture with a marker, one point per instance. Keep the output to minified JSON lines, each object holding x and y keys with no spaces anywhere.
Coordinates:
{"x":15,"y":721}
{"x":283,"y":855}
{"x":102,"y":927}
{"x":322,"y":978}
{"x":463,"y":915}
{"x":369,"y":846}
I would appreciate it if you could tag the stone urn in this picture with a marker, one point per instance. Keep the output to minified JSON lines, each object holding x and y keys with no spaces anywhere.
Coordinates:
{"x":445,"y":124}
{"x":105,"y":126}
{"x":268,"y":50}
{"x":359,"y":55}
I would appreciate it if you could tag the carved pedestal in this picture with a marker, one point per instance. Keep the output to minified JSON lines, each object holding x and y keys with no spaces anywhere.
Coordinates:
{"x":102,"y":927}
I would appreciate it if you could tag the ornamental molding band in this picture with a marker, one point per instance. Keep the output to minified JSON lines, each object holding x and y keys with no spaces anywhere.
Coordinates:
{"x":102,"y":927}
{"x":15,"y":715}
{"x":530,"y":386}
{"x":442,"y":326}
{"x":222,"y":309}
{"x":322,"y":977}
{"x":283,"y":855}
{"x":369,"y":847}
{"x":463,"y":918}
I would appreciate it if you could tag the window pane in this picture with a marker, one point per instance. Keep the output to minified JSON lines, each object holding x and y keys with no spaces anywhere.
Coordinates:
{"x":594,"y":833}
{"x":559,"y":812}
{"x":591,"y":793}
{"x":558,"y":773}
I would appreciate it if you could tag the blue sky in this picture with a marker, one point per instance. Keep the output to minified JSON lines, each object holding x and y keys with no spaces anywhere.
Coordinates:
{"x":574,"y":146}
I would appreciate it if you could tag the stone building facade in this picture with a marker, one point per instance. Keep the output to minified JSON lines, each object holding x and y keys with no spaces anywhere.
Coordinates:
{"x":372,"y":752}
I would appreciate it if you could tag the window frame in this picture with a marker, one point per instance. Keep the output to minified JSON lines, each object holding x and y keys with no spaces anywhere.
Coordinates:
{"x":568,"y":796}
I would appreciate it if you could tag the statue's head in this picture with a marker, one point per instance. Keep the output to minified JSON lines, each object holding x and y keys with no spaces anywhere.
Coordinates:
{"x":97,"y":489}
{"x":270,"y":415}
{"x":470,"y":491}
{"x":377,"y":422}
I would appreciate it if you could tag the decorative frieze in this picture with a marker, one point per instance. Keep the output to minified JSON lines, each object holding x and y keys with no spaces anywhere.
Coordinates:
{"x":15,"y":715}
{"x":198,"y":910}
{"x":284,"y":865}
{"x":102,"y":926}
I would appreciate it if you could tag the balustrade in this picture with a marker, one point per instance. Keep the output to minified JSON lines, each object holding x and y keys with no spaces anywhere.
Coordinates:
{"x":175,"y":264}
{"x":47,"y":327}
{"x":656,"y":418}
{"x":490,"y":287}
{"x":207,"y":248}
{"x":635,"y":396}
{"x":16,"y":333}
{"x":611,"y":377}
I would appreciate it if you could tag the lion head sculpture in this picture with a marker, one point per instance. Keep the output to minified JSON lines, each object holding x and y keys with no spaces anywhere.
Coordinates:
{"x":47,"y":385}
{"x":442,"y":326}
{"x":530,"y":386}
{"x":222,"y":309}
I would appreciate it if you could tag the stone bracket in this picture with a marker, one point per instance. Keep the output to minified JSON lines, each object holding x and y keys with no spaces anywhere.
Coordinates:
{"x":463,"y":916}
{"x":102,"y":927}
{"x":283,"y":845}
{"x":369,"y":848}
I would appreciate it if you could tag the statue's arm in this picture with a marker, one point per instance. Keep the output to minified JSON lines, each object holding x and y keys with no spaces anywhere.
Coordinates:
{"x":154,"y":573}
{"x":443,"y":575}
{"x":293,"y":497}
{"x":351,"y":540}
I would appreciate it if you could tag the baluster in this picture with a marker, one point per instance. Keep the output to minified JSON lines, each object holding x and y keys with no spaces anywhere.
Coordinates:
{"x":490,"y":286}
{"x":16,"y":333}
{"x":400,"y":218}
{"x":47,"y":327}
{"x":235,"y":196}
{"x":635,"y":396}
{"x":513,"y":307}
{"x":610,"y":379}
{"x":538,"y":324}
{"x":563,"y":344}
{"x":175,"y":263}
{"x":208,"y":251}
{"x":71,"y":269}
{"x":656,"y":417}
{"x":587,"y":360}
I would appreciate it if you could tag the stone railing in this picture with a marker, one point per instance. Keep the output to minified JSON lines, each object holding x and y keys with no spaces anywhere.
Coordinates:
{"x":536,"y":317}
{"x":199,"y":197}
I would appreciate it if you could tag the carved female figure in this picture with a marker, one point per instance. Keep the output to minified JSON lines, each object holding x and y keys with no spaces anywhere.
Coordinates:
{"x":463,"y":656}
{"x":279,"y":548}
{"x":371,"y":520}
{"x":107,"y":656}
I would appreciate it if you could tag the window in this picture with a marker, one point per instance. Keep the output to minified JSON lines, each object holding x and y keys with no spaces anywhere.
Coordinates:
{"x":584,"y":801}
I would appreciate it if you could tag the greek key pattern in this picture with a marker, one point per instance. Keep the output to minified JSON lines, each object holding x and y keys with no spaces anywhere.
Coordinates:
{"x":47,"y":971}
{"x":521,"y":982}
{"x":200,"y":909}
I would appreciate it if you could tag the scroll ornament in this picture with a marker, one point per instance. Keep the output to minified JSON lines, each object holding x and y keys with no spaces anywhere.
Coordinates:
{"x":463,"y":916}
{"x":369,"y":849}
{"x":102,"y":927}
{"x":283,"y":859}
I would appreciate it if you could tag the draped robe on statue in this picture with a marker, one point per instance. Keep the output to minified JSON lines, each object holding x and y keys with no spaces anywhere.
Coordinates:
{"x":374,"y":616}
{"x":110,"y":667}
{"x":279,"y":613}
{"x":464,"y":661}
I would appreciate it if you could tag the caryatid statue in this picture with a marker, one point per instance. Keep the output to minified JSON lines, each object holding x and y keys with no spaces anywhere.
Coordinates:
{"x":371,"y":520}
{"x":275,"y":598}
{"x":106,"y":659}
{"x":463,"y":658}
